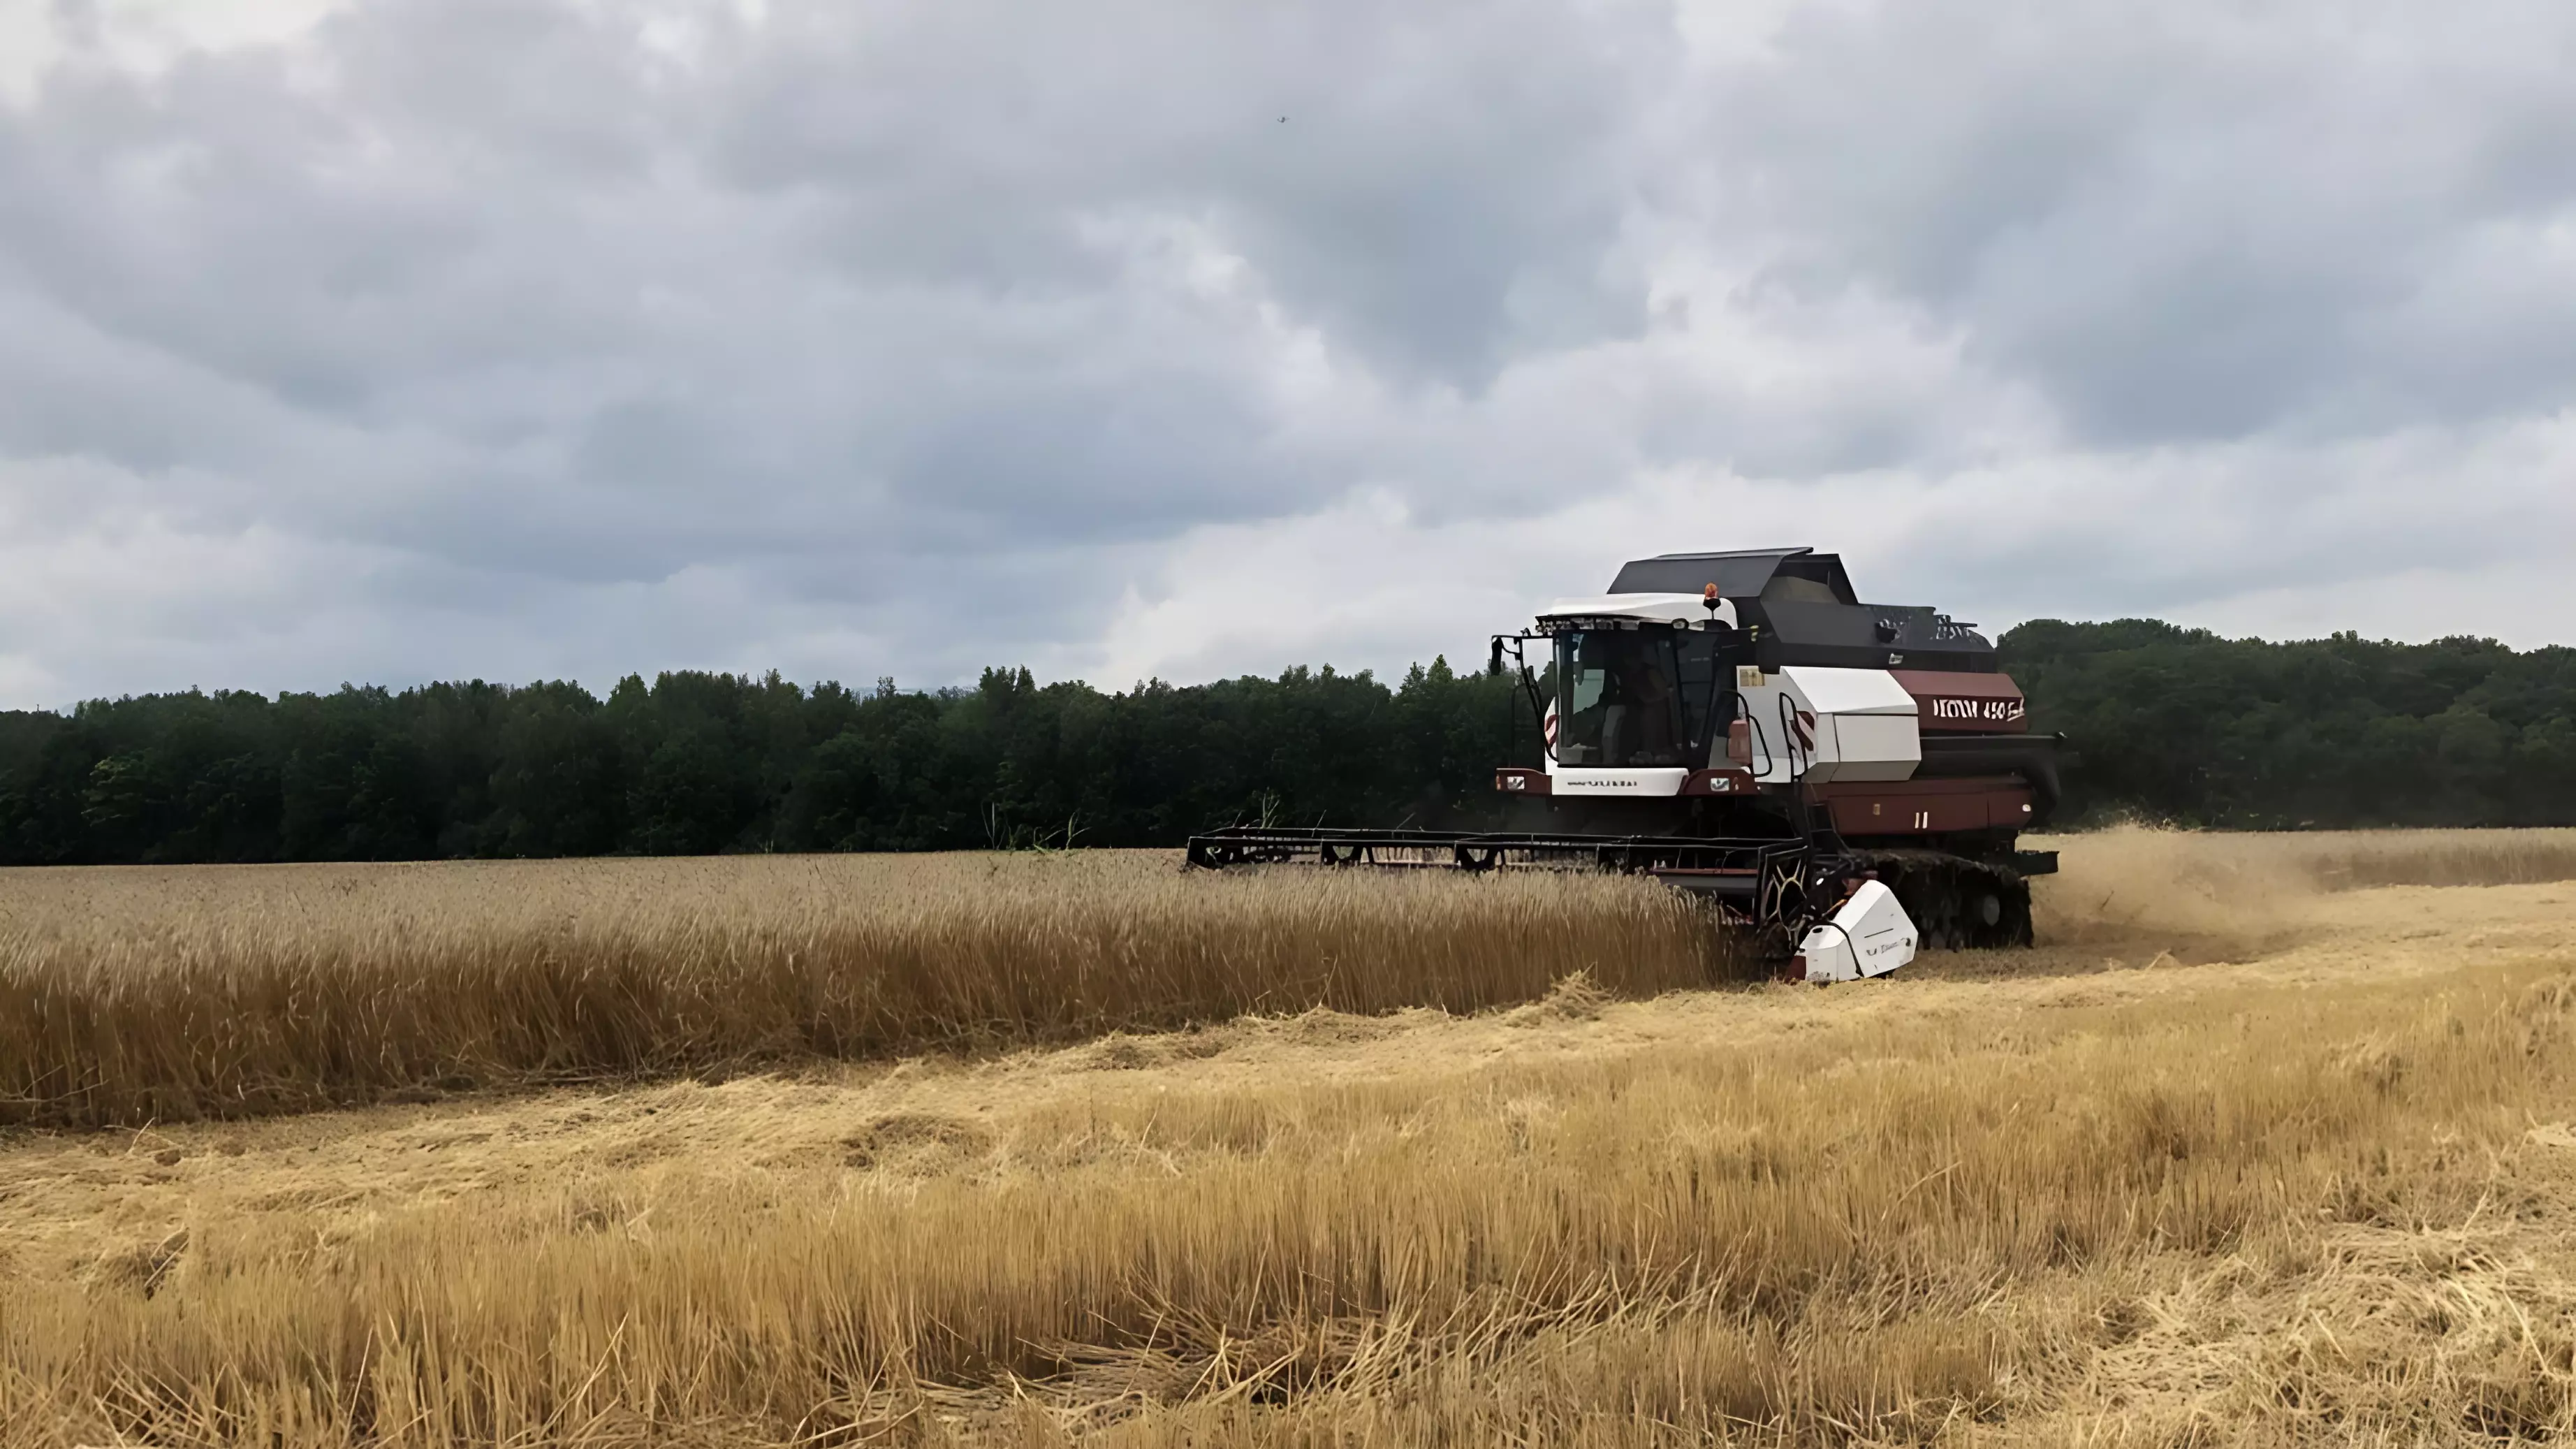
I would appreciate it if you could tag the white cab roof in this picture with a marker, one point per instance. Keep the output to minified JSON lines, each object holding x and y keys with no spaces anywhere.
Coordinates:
{"x":1682,"y":610}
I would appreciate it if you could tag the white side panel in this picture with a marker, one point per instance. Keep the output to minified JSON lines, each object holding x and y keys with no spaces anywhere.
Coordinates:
{"x":1643,"y":784}
{"x":1870,"y":936}
{"x":1871,"y":747}
{"x":1861,"y":723}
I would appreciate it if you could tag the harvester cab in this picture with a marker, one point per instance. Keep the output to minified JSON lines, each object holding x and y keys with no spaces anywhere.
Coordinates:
{"x":1635,"y":698}
{"x":1741,"y":726}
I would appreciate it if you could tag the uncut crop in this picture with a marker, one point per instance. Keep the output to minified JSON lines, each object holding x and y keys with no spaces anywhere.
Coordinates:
{"x":2358,"y":859}
{"x":162,"y":995}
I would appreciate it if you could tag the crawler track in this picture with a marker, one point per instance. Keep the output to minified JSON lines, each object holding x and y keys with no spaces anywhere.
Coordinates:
{"x":1955,"y":902}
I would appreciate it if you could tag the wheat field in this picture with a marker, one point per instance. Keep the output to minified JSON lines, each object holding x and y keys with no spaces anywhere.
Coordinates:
{"x":136,"y":995}
{"x":2267,"y":1143}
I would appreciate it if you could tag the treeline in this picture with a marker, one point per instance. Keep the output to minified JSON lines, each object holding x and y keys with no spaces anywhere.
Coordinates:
{"x":2182,"y":725}
{"x":705,"y":763}
{"x":2168,"y":723}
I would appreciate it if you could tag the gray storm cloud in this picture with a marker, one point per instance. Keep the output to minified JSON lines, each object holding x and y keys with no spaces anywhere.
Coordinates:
{"x":405,"y":339}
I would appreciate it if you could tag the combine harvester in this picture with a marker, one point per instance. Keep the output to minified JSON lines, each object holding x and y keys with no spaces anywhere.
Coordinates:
{"x":1846,"y":780}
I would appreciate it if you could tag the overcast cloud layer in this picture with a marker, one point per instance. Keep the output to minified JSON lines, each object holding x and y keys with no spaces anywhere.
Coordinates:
{"x":515,"y":338}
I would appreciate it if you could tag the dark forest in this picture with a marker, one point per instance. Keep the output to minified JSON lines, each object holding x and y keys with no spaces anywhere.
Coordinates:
{"x":2167,"y":724}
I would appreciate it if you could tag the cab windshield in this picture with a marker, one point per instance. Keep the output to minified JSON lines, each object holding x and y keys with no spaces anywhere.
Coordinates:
{"x":1632,"y":697}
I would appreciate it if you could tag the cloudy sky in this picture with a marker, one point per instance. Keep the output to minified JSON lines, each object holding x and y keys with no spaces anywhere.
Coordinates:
{"x":404,"y":339}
